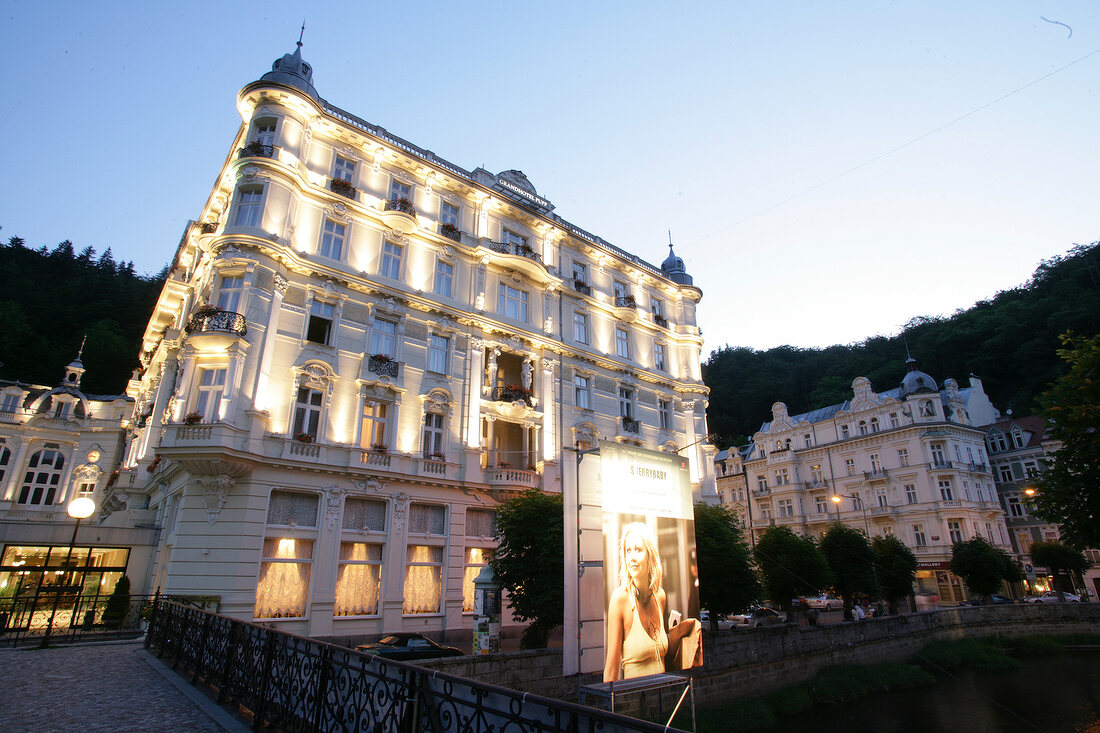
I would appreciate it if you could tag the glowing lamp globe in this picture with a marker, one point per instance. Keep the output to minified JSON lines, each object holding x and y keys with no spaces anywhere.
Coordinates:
{"x":81,"y":508}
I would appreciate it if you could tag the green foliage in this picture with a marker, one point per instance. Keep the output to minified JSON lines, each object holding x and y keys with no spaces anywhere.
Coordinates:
{"x":66,"y":296}
{"x":118,"y":604}
{"x":974,"y":653}
{"x":529,"y":561}
{"x":896,"y":567}
{"x":1060,"y":559}
{"x":850,"y":560}
{"x":993,"y":339}
{"x":727,"y":582}
{"x":791,"y":565}
{"x":743,"y":715}
{"x":790,"y":700}
{"x":982,"y":566}
{"x":1032,"y":646}
{"x":1069,"y":490}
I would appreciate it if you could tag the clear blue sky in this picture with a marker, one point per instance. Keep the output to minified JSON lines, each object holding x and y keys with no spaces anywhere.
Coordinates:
{"x":726,"y":122}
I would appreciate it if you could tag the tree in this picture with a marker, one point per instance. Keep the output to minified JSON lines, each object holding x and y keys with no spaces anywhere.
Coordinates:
{"x":851,"y":562}
{"x":727,"y":582}
{"x":896,"y":569}
{"x":530,"y":563}
{"x":792,"y":566}
{"x":1060,"y":559}
{"x":1069,"y":490}
{"x":983,"y":567}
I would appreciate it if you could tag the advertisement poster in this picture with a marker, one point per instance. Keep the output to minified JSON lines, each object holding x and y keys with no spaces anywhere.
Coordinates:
{"x":651,"y":574}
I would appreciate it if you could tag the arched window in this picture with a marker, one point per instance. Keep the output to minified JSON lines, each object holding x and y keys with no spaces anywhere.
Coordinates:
{"x":43,"y":477}
{"x":874,"y":424}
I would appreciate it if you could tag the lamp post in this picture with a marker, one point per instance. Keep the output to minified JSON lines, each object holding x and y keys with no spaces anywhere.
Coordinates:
{"x":80,"y":508}
{"x":836,"y":503}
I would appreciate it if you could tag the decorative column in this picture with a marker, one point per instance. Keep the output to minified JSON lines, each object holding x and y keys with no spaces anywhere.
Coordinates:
{"x":187,"y":365}
{"x":547,"y":404}
{"x":14,"y":475}
{"x":267,"y":347}
{"x":236,"y":354}
{"x":694,"y":472}
{"x":473,"y":393}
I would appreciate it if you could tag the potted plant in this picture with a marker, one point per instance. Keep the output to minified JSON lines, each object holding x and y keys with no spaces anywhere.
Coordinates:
{"x":504,"y":464}
{"x":450,"y":231}
{"x":192,"y":418}
{"x":437,"y":456}
{"x":379,"y":447}
{"x":153,"y":466}
{"x":118,"y":605}
{"x":304,"y":437}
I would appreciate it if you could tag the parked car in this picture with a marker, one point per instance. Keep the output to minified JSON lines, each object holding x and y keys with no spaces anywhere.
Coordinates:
{"x":408,"y":646}
{"x":753,"y":617}
{"x":997,"y":600}
{"x":825,"y":602}
{"x":1051,"y":596}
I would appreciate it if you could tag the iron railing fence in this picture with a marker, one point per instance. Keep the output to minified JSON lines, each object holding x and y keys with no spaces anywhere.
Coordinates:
{"x":292,"y":683}
{"x":69,"y":617}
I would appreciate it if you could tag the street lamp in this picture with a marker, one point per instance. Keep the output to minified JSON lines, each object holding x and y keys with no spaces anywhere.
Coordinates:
{"x":836,"y":502}
{"x":79,"y":508}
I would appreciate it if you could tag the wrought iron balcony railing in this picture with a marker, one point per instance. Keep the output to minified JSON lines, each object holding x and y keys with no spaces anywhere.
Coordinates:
{"x":512,"y":393}
{"x":450,"y":231}
{"x":342,"y":187}
{"x":217,"y":320}
{"x":403,"y":205}
{"x":876,"y":475}
{"x":256,"y":149}
{"x":382,"y":365}
{"x":582,"y":287}
{"x":520,"y":250}
{"x":660,"y":320}
{"x":625,"y":301}
{"x":630,"y":425}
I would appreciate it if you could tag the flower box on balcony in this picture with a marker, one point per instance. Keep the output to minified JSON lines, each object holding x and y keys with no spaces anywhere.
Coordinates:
{"x":342,"y":187}
{"x":403,"y":205}
{"x":450,"y":231}
{"x":379,"y":448}
{"x":436,"y":457}
{"x":660,"y":320}
{"x":383,"y":365}
{"x":304,"y":437}
{"x":192,"y":418}
{"x":515,"y":393}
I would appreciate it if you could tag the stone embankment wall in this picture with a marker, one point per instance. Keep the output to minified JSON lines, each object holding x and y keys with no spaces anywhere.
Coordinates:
{"x":755,"y":661}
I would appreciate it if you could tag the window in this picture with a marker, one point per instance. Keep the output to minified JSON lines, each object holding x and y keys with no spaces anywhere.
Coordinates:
{"x":10,"y":404}
{"x":358,"y":579}
{"x":580,"y":392}
{"x":265,"y":131}
{"x":761,"y":483}
{"x":844,"y":433}
{"x":307,"y":412}
{"x":658,"y":308}
{"x":969,"y":454}
{"x":480,"y":523}
{"x":343,"y":169}
{"x":444,"y":278}
{"x":512,"y":303}
{"x":250,"y":206}
{"x":332,"y":240}
{"x":286,"y":558}
{"x":208,"y":396}
{"x":659,"y":360}
{"x":927,"y":409}
{"x":431,"y":439}
{"x":1031,"y":469}
{"x":874,"y":425}
{"x":1015,"y":507}
{"x":807,"y":440}
{"x":230,"y":288}
{"x":989,"y":532}
{"x":937,"y":455}
{"x":903,"y":456}
{"x":319,"y":327}
{"x":399,"y":190}
{"x":664,"y":414}
{"x":626,"y":402}
{"x":448,"y":214}
{"x":1024,"y":541}
{"x":862,"y":427}
{"x":427,"y":519}
{"x":580,"y":327}
{"x":509,"y":237}
{"x":821,"y":505}
{"x":383,"y":337}
{"x":424,"y":562}
{"x":474,"y":562}
{"x":881,"y":497}
{"x":580,"y":272}
{"x":918,"y":535}
{"x":372,"y":433}
{"x":966,"y":491}
{"x":816,"y":474}
{"x":958,"y":455}
{"x":1006,"y":473}
{"x":946,"y":494}
{"x":850,"y":466}
{"x":622,"y":342}
{"x":954,"y":531}
{"x":1017,"y":438}
{"x":5,"y":458}
{"x":894,"y":420}
{"x":437,"y":353}
{"x":782,"y":476}
{"x":786,"y":507}
{"x":997,"y":442}
{"x":392,"y":254}
{"x":620,"y":291}
{"x":910,"y":494}
{"x":42,"y":478}
{"x":876,"y":464}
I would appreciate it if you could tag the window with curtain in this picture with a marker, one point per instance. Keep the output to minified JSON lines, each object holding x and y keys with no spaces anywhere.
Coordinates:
{"x":283,"y":588}
{"x":423,"y":579}
{"x":476,"y":559}
{"x":358,"y":579}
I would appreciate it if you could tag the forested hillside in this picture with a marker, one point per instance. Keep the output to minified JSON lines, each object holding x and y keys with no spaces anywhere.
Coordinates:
{"x":49,"y":300}
{"x":1009,"y":341}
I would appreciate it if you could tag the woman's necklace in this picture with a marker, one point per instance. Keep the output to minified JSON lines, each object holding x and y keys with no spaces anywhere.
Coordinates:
{"x":646,"y":616}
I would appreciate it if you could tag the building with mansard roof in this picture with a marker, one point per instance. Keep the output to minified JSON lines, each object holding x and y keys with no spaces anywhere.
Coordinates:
{"x":909,"y":461}
{"x":363,"y":348}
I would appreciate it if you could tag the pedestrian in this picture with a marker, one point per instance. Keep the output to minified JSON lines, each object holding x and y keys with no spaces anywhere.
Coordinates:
{"x":860,"y":614}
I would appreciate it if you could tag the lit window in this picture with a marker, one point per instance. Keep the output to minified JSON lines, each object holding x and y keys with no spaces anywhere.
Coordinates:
{"x":399,"y":191}
{"x":622,"y":342}
{"x":431,"y":441}
{"x":782,"y":476}
{"x":250,"y":206}
{"x":850,"y":466}
{"x":475,"y":561}
{"x":42,"y":478}
{"x":444,"y":278}
{"x":448,"y":214}
{"x":580,"y":272}
{"x":424,"y":562}
{"x":512,"y":303}
{"x":659,"y":360}
{"x":343,"y":169}
{"x":580,"y":327}
{"x":372,"y":433}
{"x":283,"y":587}
{"x":437,"y":353}
{"x":580,"y":392}
{"x":230,"y":288}
{"x":307,"y":412}
{"x":332,"y":240}
{"x":358,"y":579}
{"x":626,"y":402}
{"x":319,"y":328}
{"x":208,"y":396}
{"x":383,"y":337}
{"x":664,"y":413}
{"x":392,"y":255}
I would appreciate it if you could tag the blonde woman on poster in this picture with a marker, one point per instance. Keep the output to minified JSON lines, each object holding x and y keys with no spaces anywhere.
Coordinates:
{"x":638,"y":640}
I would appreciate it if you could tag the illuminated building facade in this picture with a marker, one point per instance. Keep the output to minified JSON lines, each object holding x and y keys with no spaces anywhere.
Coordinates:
{"x":362,"y":348}
{"x":57,"y":444}
{"x":909,"y":461}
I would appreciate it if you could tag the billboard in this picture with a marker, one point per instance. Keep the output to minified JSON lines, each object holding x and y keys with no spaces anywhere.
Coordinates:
{"x":650,"y":569}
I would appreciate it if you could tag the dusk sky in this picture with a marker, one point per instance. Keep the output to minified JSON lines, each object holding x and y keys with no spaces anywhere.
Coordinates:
{"x":828,"y":170}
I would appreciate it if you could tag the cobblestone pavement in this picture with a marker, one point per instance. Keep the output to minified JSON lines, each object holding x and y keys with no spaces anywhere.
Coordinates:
{"x":103,"y":688}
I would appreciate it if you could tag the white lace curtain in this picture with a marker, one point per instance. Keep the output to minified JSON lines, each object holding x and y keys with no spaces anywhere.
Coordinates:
{"x":284,"y":578}
{"x":476,"y":559}
{"x":358,"y":579}
{"x":423,"y":579}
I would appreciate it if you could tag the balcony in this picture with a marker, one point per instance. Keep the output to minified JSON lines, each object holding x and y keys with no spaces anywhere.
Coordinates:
{"x":513,"y":393}
{"x":977,"y":468}
{"x":383,"y":365}
{"x":941,"y":465}
{"x":626,"y":308}
{"x":216,"y":328}
{"x":256,"y":149}
{"x":399,"y":214}
{"x":660,"y":320}
{"x":582,"y":287}
{"x":450,"y":231}
{"x":631,"y":425}
{"x":342,"y":187}
{"x":761,"y":492}
{"x":511,"y":478}
{"x":816,"y":484}
{"x":881,"y":511}
{"x":880,"y":474}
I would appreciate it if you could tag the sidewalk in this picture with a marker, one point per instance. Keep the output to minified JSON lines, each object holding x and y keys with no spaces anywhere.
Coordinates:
{"x":101,"y":688}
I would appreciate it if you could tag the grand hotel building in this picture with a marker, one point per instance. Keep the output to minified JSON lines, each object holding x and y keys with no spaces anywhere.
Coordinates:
{"x":362,"y":349}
